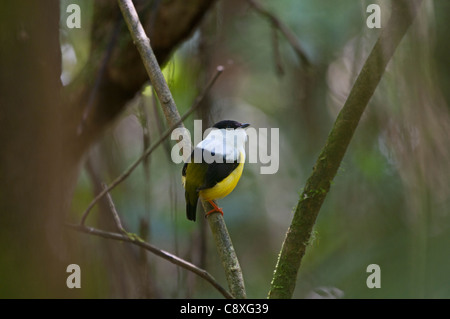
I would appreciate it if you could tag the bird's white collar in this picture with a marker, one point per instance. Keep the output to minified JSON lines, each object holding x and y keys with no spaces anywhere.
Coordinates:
{"x":224,"y":144}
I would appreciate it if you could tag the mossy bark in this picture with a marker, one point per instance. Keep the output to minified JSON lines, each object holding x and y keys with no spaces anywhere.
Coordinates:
{"x":227,"y":254}
{"x":317,"y":186}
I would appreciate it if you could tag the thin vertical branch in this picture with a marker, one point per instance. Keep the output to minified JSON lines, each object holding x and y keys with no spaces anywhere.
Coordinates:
{"x":98,"y":80}
{"x":227,"y":254}
{"x":114,"y":212}
{"x":276,"y":52}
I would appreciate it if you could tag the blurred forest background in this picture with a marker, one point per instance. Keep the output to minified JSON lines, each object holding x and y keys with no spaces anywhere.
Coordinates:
{"x":388,"y":205}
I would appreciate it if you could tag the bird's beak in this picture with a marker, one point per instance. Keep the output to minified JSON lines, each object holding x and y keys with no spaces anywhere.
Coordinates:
{"x":244,"y":125}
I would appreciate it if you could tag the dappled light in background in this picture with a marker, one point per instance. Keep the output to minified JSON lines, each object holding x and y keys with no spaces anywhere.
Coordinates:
{"x":388,"y":204}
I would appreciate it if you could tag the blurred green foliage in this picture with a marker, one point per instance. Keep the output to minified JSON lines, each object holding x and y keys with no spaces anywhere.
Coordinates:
{"x":389,"y":203}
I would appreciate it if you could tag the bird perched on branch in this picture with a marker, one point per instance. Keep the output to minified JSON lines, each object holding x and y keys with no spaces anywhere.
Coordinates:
{"x":215,"y":166}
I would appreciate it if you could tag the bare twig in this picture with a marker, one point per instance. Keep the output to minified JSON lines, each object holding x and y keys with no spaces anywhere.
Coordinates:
{"x":142,"y":43}
{"x":276,"y":52}
{"x":149,"y":150}
{"x":288,"y":34}
{"x":135,"y":240}
{"x":114,"y":211}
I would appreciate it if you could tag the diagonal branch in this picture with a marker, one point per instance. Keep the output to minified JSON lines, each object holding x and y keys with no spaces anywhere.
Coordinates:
{"x":152,"y":147}
{"x":326,"y":167}
{"x":142,"y":42}
{"x":100,"y":91}
{"x":288,"y":34}
{"x":135,"y":240}
{"x":114,"y":212}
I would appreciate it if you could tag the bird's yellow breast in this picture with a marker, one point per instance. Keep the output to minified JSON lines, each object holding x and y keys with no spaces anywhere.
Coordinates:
{"x":225,"y":186}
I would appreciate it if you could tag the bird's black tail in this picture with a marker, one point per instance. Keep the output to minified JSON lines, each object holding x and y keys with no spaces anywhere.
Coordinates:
{"x":191,"y":207}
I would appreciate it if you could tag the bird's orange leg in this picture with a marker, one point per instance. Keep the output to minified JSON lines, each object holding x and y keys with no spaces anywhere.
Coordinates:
{"x":216,"y":209}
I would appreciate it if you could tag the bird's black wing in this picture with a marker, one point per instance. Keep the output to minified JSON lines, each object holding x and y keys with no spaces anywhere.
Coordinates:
{"x":183,"y":172}
{"x":203,"y":176}
{"x":217,"y":172}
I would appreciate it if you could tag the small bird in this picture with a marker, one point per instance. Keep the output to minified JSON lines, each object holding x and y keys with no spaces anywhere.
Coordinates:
{"x":215,"y":166}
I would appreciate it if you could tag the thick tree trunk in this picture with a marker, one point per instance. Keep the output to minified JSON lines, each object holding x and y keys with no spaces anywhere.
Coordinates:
{"x":36,"y":176}
{"x":40,"y":150}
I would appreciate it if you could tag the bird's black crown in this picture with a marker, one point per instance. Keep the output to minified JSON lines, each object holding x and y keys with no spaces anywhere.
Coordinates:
{"x":229,"y":124}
